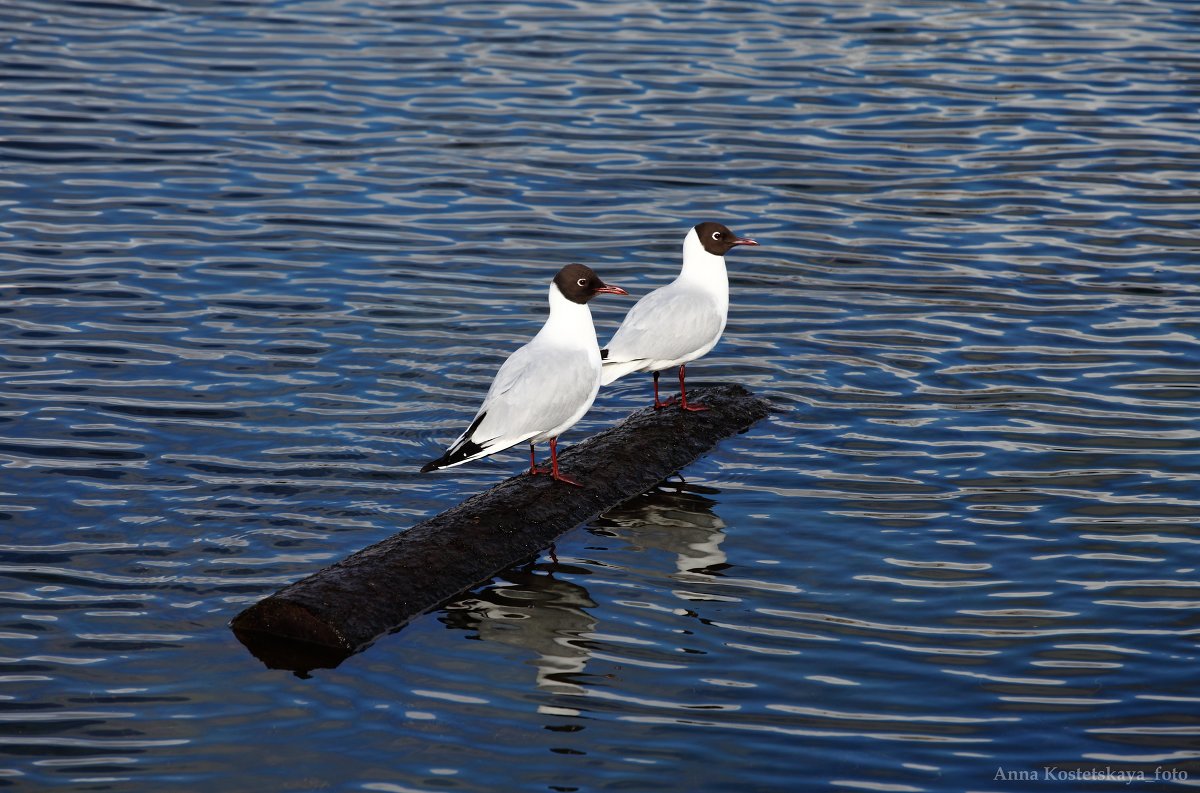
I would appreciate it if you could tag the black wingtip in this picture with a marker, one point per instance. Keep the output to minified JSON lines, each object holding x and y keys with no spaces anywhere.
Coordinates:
{"x":452,"y":456}
{"x":458,"y":453}
{"x":604,"y":354}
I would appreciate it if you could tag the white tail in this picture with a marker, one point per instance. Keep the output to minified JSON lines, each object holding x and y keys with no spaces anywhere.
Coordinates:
{"x":617,"y":369}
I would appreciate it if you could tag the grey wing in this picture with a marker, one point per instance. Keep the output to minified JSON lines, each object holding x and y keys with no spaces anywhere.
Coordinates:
{"x":535,"y":391}
{"x":666,"y":325}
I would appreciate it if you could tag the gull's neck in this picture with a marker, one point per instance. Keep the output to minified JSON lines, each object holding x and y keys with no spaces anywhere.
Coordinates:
{"x":701,"y":268}
{"x":569,"y":323}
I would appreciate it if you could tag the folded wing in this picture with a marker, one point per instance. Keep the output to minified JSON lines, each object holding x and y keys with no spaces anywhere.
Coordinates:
{"x":667,"y":325}
{"x":535,"y":392}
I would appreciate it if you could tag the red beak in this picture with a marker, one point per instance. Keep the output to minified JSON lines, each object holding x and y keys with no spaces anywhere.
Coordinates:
{"x":744,"y":241}
{"x":611,"y":290}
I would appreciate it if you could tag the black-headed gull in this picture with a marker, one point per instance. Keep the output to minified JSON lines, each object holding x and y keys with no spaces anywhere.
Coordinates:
{"x":681,"y":321}
{"x":546,"y":385}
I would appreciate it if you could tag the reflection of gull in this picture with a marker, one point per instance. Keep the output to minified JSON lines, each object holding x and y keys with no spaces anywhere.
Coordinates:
{"x":681,"y":521}
{"x":549,"y":616}
{"x":538,"y":612}
{"x":678,"y":520}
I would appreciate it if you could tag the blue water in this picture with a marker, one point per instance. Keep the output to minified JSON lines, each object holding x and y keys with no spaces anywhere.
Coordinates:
{"x":259,"y":260}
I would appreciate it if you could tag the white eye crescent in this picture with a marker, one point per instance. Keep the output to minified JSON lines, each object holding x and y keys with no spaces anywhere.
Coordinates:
{"x":582,"y":282}
{"x":716,"y":235}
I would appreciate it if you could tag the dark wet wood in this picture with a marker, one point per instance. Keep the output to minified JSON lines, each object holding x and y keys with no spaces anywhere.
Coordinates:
{"x":341,"y":609}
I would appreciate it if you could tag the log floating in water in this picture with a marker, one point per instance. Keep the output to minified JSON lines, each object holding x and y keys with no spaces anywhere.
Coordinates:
{"x":337,"y":611}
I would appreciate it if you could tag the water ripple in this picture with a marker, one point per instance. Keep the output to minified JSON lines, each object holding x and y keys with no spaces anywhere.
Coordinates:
{"x":256,"y":263}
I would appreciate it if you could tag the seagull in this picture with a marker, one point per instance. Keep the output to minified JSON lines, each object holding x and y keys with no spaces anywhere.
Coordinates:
{"x":681,"y":321}
{"x":546,"y":385}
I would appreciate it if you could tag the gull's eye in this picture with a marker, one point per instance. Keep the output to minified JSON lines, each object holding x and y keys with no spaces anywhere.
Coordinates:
{"x":582,"y":282}
{"x":716,"y":235}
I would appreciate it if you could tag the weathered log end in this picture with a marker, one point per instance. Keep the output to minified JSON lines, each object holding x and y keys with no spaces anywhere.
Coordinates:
{"x":280,"y":616}
{"x":341,"y":609}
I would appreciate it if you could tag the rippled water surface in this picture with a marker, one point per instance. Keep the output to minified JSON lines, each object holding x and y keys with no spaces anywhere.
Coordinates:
{"x":260,"y":259}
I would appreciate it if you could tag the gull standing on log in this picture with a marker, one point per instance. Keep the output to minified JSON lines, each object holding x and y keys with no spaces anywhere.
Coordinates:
{"x":681,"y":321}
{"x":544,"y":387}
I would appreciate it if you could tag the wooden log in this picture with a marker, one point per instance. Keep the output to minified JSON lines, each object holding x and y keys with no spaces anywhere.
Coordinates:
{"x":340,"y":610}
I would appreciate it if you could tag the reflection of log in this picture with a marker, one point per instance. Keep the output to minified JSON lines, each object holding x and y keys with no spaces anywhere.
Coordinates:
{"x":345,"y":606}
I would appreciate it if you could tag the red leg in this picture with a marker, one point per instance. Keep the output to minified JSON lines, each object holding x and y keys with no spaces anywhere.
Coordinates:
{"x":695,"y":406}
{"x":533,"y":469}
{"x":657,"y":404}
{"x":554,"y":465}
